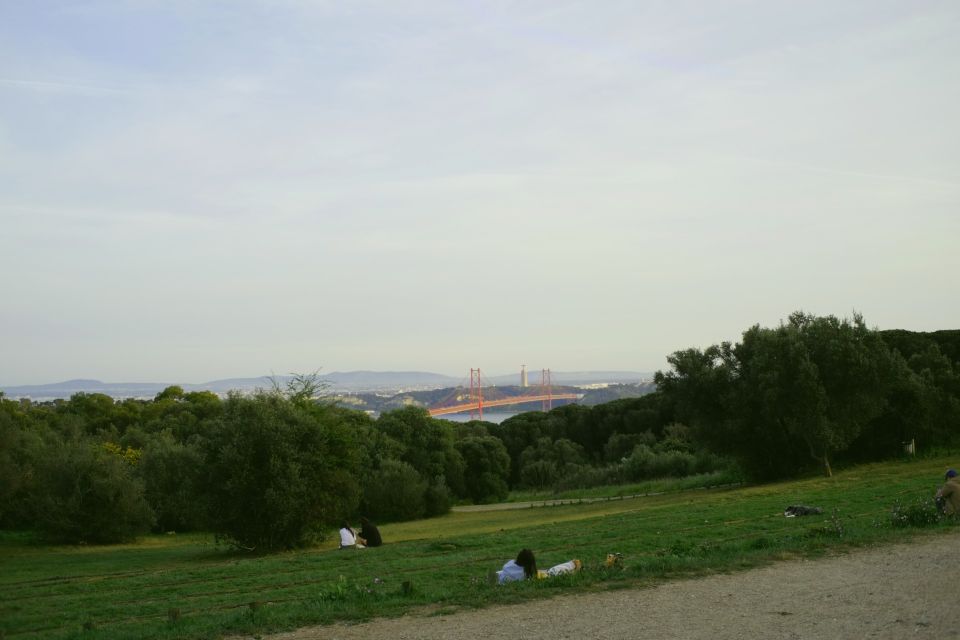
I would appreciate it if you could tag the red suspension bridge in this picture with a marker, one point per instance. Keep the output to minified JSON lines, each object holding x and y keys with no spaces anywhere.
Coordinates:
{"x":473,"y":400}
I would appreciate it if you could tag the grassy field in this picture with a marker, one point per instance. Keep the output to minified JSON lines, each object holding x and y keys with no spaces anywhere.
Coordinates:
{"x":185,"y":587}
{"x":661,"y":485}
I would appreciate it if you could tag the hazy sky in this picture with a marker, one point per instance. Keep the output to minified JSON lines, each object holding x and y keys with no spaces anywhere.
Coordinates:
{"x":200,"y":190}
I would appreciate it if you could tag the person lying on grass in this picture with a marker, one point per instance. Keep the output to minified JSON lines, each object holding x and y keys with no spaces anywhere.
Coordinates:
{"x":525,"y":566}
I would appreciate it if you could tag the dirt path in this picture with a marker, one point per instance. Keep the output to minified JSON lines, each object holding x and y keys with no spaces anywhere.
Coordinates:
{"x":901,"y":591}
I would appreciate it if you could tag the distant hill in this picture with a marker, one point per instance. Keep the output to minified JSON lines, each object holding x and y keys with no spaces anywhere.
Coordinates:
{"x":575,"y":378}
{"x":345,"y":381}
{"x":381,"y":402}
{"x":70,"y":387}
{"x":372,"y":380}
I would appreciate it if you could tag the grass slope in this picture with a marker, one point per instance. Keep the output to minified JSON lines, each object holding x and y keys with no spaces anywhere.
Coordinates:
{"x":185,"y":587}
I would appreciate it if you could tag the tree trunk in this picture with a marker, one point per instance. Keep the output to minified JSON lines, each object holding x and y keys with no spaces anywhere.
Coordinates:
{"x":820,"y":458}
{"x":826,"y":465}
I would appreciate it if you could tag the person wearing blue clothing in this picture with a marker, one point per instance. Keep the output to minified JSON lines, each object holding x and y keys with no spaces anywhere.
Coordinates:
{"x":525,"y":567}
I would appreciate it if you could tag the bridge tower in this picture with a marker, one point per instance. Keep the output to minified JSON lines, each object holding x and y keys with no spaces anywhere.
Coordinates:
{"x":546,"y":386}
{"x":476,"y":394}
{"x":523,"y":376}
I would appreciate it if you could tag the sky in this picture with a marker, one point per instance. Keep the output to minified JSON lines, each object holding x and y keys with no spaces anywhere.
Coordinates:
{"x":192,"y":191}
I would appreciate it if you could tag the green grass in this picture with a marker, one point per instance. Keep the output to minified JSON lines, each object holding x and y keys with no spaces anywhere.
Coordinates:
{"x":185,"y":587}
{"x":659,"y":485}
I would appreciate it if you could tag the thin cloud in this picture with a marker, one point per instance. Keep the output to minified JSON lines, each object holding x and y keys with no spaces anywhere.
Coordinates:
{"x":50,"y":86}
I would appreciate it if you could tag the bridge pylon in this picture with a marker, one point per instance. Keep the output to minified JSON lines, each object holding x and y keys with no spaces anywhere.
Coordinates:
{"x":476,"y":394}
{"x":475,"y":402}
{"x":546,"y":390}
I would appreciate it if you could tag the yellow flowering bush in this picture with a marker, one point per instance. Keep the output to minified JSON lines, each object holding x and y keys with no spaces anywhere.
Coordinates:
{"x":129,"y":455}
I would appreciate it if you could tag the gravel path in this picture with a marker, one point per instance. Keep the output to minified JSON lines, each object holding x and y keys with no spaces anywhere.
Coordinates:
{"x":901,"y":591}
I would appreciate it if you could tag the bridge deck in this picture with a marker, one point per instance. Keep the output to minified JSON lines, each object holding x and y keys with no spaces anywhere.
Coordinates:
{"x":475,"y":406}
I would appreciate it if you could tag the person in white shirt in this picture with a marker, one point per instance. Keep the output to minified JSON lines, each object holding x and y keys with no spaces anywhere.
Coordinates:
{"x":348,"y":538}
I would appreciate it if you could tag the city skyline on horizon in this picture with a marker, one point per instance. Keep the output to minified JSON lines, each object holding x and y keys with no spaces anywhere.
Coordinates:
{"x":534,"y":376}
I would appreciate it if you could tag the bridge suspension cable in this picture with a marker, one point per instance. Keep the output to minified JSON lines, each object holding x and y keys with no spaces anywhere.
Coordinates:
{"x":476,"y":402}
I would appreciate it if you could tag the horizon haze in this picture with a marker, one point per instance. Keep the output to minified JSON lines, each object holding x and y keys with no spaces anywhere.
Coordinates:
{"x":336,"y":382}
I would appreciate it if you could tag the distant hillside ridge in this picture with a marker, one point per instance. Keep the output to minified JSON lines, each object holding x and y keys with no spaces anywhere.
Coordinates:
{"x":380,"y":402}
{"x":574,"y":378}
{"x":342,"y":381}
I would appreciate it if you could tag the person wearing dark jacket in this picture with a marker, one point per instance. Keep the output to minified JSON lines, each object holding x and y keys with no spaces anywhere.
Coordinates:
{"x":370,"y":533}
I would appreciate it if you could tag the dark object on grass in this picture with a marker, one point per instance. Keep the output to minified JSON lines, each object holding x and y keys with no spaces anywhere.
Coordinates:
{"x":801,"y":510}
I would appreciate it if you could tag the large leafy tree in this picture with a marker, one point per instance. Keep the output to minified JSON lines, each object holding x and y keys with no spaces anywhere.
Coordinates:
{"x":702,"y":391}
{"x":171,"y":472}
{"x":86,"y":493}
{"x":22,"y":449}
{"x":549,"y":461}
{"x":940,"y":395}
{"x":279,"y":471}
{"x":487,"y":468}
{"x":394,"y":491}
{"x":425,"y":443}
{"x":808,"y":387}
{"x":519,"y":432}
{"x":845,"y":374}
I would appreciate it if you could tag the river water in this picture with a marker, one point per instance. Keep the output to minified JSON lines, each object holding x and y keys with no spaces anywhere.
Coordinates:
{"x":488,"y":416}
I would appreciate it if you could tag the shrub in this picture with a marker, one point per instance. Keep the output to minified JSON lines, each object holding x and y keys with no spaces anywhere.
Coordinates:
{"x":644,"y":463}
{"x":171,"y":473}
{"x":707,"y":462}
{"x":278,"y":472}
{"x":395,"y":492}
{"x":640,"y":463}
{"x":437,"y":499}
{"x":487,"y":467}
{"x":539,"y":474}
{"x":586,"y":477}
{"x":21,"y":448}
{"x":620,"y":445}
{"x":672,"y":464}
{"x":84,"y":493}
{"x":921,"y":513}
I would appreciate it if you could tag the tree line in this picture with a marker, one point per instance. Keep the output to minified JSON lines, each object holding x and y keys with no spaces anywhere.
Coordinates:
{"x":815,"y":390}
{"x":281,"y":468}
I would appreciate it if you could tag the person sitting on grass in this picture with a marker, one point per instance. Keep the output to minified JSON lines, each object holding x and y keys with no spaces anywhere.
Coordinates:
{"x":948,"y":496}
{"x":349,"y":538}
{"x":370,"y":533}
{"x":525,"y":567}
